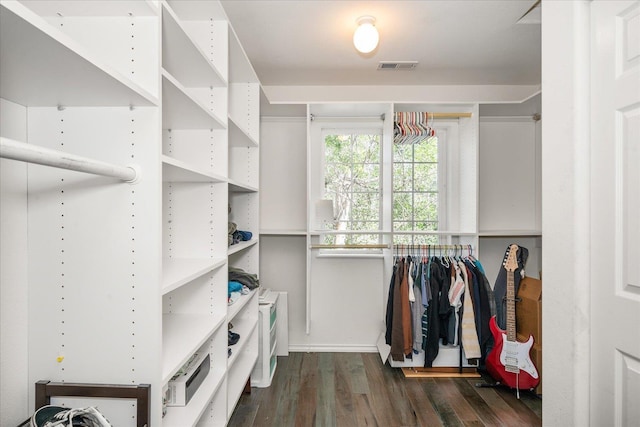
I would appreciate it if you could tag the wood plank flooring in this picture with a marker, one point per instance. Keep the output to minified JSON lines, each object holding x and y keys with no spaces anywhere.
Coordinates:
{"x":356,"y":389}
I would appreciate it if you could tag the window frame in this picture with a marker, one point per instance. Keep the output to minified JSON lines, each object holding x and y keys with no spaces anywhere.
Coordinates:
{"x":451,"y":178}
{"x":441,"y":133}
{"x":355,"y":129}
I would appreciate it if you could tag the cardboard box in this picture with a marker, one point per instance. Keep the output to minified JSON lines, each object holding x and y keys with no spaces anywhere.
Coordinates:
{"x":535,"y":354}
{"x":529,"y":309}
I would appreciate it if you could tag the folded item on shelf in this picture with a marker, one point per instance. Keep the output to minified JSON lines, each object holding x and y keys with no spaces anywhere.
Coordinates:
{"x":231,"y":229}
{"x":234,"y":286}
{"x":233,"y":338}
{"x":239,"y":275}
{"x":233,"y":297}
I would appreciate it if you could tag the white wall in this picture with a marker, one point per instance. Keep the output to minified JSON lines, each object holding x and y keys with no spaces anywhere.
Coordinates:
{"x":510,"y":189}
{"x":13,"y":273}
{"x":346,"y":294}
{"x":509,"y":175}
{"x":283,"y":174}
{"x":283,"y":201}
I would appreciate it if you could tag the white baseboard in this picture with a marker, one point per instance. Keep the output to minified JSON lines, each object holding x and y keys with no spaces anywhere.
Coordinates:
{"x":335,"y":348}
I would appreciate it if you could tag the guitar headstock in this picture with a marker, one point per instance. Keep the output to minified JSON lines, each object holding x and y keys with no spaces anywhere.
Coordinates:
{"x":510,"y":263}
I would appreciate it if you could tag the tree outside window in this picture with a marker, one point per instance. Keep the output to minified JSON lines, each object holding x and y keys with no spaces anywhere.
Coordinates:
{"x":415,"y":190}
{"x":352,"y":180}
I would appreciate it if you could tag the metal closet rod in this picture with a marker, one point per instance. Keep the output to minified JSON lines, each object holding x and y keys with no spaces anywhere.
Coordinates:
{"x":15,"y":150}
{"x":418,"y":246}
{"x":382,"y":116}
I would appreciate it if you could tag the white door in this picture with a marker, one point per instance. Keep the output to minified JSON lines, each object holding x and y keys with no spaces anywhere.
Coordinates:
{"x":615,"y":213}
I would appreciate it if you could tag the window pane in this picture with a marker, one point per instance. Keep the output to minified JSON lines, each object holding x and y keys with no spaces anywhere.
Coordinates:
{"x":403,"y":225}
{"x":352,"y":181}
{"x":415,"y":186}
{"x":365,"y":206}
{"x":402,"y":177}
{"x":426,"y":150}
{"x":337,"y":149}
{"x":426,"y":177}
{"x":402,"y":153}
{"x":402,"y":207}
{"x":425,"y":240}
{"x":426,"y":226}
{"x":426,"y":206}
{"x":366,"y":149}
{"x":366,"y":177}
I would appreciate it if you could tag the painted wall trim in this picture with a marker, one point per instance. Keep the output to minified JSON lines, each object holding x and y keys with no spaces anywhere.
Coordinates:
{"x":400,"y":93}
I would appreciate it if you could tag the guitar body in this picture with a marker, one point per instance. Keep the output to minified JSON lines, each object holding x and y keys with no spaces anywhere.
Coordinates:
{"x":509,"y":362}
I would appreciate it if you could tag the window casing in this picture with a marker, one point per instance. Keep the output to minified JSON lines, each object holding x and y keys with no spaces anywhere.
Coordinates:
{"x":432,"y":179}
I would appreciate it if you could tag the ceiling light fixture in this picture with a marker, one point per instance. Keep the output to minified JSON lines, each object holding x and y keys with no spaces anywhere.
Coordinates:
{"x":366,"y":37}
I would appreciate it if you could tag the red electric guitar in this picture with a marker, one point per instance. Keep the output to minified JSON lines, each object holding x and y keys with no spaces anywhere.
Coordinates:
{"x":509,"y":362}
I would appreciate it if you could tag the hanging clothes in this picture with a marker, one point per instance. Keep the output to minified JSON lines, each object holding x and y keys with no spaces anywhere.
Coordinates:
{"x":485,"y":308}
{"x":438,"y":301}
{"x":438,"y":277}
{"x":470,"y":342}
{"x":397,"y":328}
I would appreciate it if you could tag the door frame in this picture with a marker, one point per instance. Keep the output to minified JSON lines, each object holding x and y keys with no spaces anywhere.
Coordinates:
{"x":566,"y":302}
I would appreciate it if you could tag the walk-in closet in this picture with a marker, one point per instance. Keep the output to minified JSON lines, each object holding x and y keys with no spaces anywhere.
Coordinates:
{"x":319,"y":213}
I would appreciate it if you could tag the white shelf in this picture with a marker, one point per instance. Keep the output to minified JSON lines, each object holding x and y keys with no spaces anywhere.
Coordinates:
{"x":241,"y":246}
{"x":509,"y":233}
{"x":437,"y":233}
{"x":95,"y":8}
{"x":181,"y":111}
{"x":41,"y":66}
{"x":245,"y":329}
{"x":174,"y":170}
{"x":239,"y":375}
{"x":239,"y":136}
{"x":235,"y":308}
{"x":177,"y":272}
{"x":238,"y":187}
{"x":182,"y":335}
{"x":182,"y":416}
{"x":182,"y":56}
{"x":240,"y":69}
{"x":283,"y":232}
{"x":198,"y":10}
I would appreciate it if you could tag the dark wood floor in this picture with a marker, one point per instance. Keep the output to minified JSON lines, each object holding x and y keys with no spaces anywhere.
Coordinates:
{"x":356,"y":389}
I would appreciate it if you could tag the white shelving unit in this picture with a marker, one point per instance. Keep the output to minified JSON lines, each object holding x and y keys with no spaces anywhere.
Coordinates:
{"x":138,"y":268}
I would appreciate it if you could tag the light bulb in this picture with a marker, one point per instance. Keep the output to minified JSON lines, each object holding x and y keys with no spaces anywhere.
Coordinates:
{"x":365,"y":38}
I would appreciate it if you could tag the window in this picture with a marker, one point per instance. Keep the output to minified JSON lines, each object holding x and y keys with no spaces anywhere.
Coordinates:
{"x":352,"y":180}
{"x":417,"y":190}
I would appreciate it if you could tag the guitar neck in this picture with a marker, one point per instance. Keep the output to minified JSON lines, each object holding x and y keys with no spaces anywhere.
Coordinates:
{"x":511,"y":307}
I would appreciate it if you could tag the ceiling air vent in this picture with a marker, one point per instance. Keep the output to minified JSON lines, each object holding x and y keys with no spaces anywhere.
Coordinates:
{"x":397,"y":65}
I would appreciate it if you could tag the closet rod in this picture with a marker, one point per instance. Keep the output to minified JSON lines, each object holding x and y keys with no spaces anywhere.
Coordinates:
{"x":382,"y":117}
{"x":15,"y":150}
{"x":313,"y":117}
{"x":448,"y":115}
{"x":362,"y":246}
{"x":418,"y":246}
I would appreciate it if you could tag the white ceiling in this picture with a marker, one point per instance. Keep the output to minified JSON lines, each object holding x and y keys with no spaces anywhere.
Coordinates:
{"x":457,"y":42}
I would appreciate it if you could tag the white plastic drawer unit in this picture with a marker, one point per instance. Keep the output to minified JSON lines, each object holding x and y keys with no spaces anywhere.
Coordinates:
{"x":267,"y":342}
{"x":272,"y":315}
